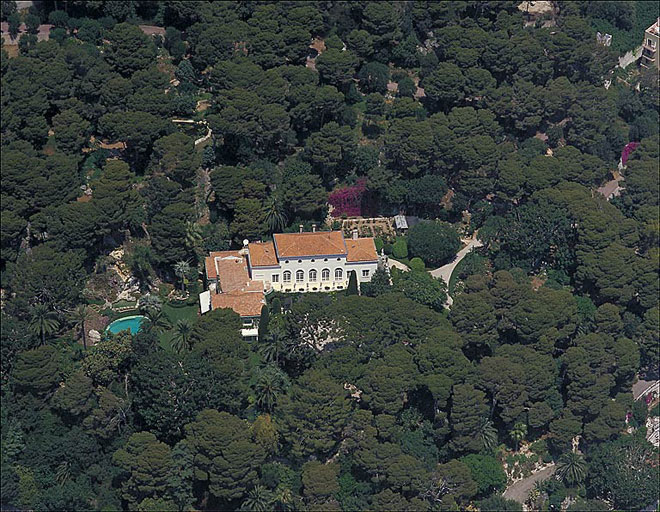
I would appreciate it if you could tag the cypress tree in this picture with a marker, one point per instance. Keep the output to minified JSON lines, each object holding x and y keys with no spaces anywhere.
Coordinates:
{"x":276,"y":306}
{"x":263,"y":322}
{"x":352,"y":284}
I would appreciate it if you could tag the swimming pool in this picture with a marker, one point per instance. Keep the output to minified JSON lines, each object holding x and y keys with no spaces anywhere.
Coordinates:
{"x":132,"y":323}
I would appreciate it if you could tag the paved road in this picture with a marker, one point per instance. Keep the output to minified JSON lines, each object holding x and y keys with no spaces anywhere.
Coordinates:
{"x":520,"y":490}
{"x":391,"y":262}
{"x":446,"y":270}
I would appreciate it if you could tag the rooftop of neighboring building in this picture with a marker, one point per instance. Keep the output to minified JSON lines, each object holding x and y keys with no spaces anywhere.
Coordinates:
{"x":361,"y":249}
{"x":231,"y":270}
{"x":320,"y":243}
{"x":655,"y":28}
{"x":245,"y":303}
{"x":262,"y":254}
{"x":210,"y":262}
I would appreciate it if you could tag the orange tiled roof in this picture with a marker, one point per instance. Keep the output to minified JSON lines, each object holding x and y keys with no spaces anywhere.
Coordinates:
{"x":362,"y":249}
{"x":232,"y":273}
{"x":209,"y":262}
{"x":243,"y":303}
{"x":262,"y":254}
{"x":321,"y":243}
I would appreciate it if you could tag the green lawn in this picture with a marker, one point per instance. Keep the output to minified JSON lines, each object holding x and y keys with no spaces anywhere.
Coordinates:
{"x":173,"y":315}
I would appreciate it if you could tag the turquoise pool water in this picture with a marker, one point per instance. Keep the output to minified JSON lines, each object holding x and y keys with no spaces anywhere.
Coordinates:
{"x":132,"y":323}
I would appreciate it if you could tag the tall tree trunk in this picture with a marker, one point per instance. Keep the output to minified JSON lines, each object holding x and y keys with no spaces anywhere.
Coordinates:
{"x":84,"y":336}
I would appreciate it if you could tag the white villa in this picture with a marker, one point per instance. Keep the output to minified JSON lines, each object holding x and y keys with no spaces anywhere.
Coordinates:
{"x":317,"y":261}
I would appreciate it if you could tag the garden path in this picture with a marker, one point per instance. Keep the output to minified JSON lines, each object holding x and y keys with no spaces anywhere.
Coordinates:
{"x":446,"y":270}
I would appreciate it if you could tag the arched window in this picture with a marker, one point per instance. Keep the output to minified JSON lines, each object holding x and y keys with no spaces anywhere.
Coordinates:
{"x":300,"y":276}
{"x":325,"y":274}
{"x":312,"y":275}
{"x":339,"y":274}
{"x":286,"y":277}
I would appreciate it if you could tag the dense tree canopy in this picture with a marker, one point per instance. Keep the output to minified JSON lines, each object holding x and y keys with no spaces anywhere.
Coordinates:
{"x":127,"y":156}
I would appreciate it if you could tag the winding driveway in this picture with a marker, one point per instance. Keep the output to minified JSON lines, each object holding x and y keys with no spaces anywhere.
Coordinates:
{"x":519,"y":491}
{"x":446,"y":270}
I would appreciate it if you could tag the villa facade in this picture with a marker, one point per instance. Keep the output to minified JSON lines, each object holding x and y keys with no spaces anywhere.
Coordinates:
{"x":317,"y":261}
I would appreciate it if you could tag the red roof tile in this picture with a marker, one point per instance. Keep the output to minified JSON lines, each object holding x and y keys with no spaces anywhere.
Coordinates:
{"x":262,"y":254}
{"x":243,"y":303}
{"x":362,"y":249}
{"x":321,"y":243}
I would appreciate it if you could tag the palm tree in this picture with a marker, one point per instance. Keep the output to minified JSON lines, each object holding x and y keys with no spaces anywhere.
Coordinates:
{"x":270,"y":383}
{"x":79,"y":317}
{"x":156,"y":321}
{"x":488,"y":434}
{"x":258,"y":499}
{"x":275,"y":215}
{"x":149,"y":303}
{"x":283,"y":499}
{"x":182,"y":336}
{"x":271,"y":348}
{"x":43,"y":322}
{"x":518,"y":433}
{"x":571,"y":468}
{"x":63,"y":472}
{"x":182,"y":270}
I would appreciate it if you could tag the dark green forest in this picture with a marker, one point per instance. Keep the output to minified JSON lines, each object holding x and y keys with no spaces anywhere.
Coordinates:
{"x":474,"y":115}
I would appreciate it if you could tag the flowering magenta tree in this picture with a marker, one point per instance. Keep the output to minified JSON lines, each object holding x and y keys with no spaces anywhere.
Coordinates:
{"x":628,"y":148}
{"x":348,"y":200}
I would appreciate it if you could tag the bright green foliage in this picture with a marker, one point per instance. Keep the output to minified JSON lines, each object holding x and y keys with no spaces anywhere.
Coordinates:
{"x":421,"y":287}
{"x":226,"y":459}
{"x":108,"y":360}
{"x":400,"y":249}
{"x":487,"y":472}
{"x":417,"y":264}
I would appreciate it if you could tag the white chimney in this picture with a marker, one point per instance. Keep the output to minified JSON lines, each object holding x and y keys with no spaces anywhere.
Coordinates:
{"x":355,"y":234}
{"x":300,"y":227}
{"x":313,"y":228}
